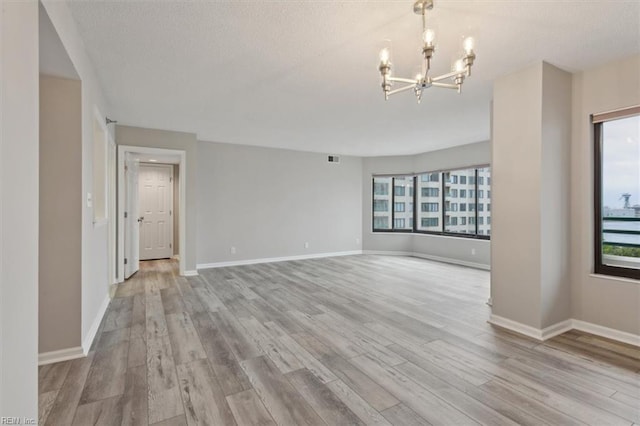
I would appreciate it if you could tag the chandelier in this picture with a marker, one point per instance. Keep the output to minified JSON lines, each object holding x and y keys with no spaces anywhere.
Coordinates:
{"x":461,"y":68}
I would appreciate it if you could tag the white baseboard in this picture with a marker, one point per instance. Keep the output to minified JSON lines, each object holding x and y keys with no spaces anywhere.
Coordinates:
{"x":563,"y":327}
{"x":388,"y":252}
{"x":430,"y":257}
{"x":61,"y":355}
{"x":454,"y":261}
{"x":516,"y":326}
{"x":610,"y":333}
{"x":91,"y":334}
{"x":192,"y":273}
{"x":557,"y":329}
{"x":275,"y":259}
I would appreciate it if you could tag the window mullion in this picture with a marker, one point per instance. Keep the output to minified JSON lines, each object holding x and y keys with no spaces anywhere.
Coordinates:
{"x":392,"y":203}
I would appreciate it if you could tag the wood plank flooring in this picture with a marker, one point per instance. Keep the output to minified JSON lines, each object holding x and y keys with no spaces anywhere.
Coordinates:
{"x":357,"y":340}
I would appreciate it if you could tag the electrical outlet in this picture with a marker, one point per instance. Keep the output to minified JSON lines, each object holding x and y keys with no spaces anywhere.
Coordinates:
{"x":306,"y":245}
{"x":357,"y":240}
{"x":473,"y":252}
{"x":233,"y":250}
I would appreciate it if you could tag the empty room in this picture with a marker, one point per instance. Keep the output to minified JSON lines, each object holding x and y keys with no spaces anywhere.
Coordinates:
{"x":320,"y":212}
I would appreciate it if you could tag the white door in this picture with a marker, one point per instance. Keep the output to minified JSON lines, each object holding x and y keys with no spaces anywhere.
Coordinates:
{"x":156,"y":201}
{"x":131,"y":225}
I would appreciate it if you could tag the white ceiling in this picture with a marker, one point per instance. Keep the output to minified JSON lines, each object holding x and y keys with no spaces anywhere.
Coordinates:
{"x":303,"y":74}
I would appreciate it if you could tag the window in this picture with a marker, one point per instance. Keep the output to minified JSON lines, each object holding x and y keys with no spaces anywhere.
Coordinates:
{"x":382,"y":214}
{"x":430,"y":207}
{"x":429,"y":222}
{"x":393,"y":211}
{"x":403,"y":195}
{"x":465,"y":191}
{"x":381,"y":222}
{"x":431,"y":192}
{"x":445,"y":202}
{"x":380,"y":205}
{"x":380,"y":188}
{"x":617,"y":192}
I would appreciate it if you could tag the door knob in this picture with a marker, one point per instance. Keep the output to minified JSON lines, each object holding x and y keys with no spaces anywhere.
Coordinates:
{"x":140,"y":219}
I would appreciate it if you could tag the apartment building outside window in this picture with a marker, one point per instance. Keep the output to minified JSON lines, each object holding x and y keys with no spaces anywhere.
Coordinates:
{"x":617,"y":192}
{"x":449,"y":202}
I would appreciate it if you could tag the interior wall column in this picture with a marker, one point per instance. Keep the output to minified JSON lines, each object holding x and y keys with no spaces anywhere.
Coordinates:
{"x":530,"y":283}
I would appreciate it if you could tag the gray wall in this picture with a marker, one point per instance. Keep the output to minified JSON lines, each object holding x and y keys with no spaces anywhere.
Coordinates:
{"x":600,"y":300}
{"x":136,"y":136}
{"x":19,"y":209}
{"x":451,"y":248}
{"x":60,"y":274}
{"x":268,"y":202}
{"x":555,"y":277}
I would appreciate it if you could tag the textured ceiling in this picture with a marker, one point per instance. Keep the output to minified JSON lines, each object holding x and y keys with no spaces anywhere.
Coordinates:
{"x":303,"y":74}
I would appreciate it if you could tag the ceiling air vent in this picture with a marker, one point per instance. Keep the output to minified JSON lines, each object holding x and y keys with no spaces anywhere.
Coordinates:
{"x":333,"y":159}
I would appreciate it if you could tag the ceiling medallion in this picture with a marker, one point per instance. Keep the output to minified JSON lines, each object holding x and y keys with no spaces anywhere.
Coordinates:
{"x":461,"y":68}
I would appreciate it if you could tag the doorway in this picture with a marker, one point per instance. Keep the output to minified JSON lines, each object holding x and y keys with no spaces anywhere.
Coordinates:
{"x":155,"y":201}
{"x":151,"y":202}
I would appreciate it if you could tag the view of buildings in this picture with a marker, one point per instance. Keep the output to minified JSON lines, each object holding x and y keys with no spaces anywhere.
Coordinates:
{"x":456,"y":201}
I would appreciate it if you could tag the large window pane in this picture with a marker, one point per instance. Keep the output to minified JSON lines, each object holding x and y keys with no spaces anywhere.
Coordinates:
{"x":382,"y":203}
{"x":619,"y":201}
{"x":403,"y":203}
{"x":429,"y":200}
{"x":459,"y":200}
{"x":484,"y":201}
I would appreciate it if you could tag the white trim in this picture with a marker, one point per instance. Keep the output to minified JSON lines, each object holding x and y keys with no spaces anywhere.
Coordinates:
{"x":388,"y":253}
{"x":516,"y":326}
{"x":275,"y":259}
{"x":430,"y":257}
{"x":563,"y":327}
{"x":60,"y":355}
{"x":93,"y":330}
{"x":557,"y":329}
{"x":610,"y":333}
{"x":190,"y":273}
{"x":614,"y":278}
{"x":182,"y":195}
{"x":454,"y":261}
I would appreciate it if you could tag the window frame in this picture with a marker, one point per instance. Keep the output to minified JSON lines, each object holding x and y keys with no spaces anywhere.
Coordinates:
{"x":598,"y":121}
{"x":441,"y":188}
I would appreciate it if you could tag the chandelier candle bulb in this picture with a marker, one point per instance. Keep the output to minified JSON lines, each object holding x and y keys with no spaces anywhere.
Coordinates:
{"x":468,"y":44}
{"x":384,"y":56}
{"x":429,"y":37}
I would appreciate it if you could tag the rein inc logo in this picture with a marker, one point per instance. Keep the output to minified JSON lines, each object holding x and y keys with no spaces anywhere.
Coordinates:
{"x":17,"y":421}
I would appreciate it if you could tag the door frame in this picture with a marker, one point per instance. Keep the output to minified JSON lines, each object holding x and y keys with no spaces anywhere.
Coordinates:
{"x":122,"y":151}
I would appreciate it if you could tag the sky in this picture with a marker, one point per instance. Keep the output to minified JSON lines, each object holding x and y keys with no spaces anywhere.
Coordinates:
{"x":621,"y":162}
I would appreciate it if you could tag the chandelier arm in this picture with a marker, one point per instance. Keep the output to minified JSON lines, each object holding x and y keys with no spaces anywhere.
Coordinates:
{"x":402,"y":80}
{"x":402,"y":89}
{"x":445,"y":76}
{"x":445,"y":85}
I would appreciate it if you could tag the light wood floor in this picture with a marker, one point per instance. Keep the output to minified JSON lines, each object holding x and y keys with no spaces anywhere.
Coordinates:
{"x":348,"y":340}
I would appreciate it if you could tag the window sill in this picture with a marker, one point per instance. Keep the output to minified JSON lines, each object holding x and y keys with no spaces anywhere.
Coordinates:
{"x":614,"y":278}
